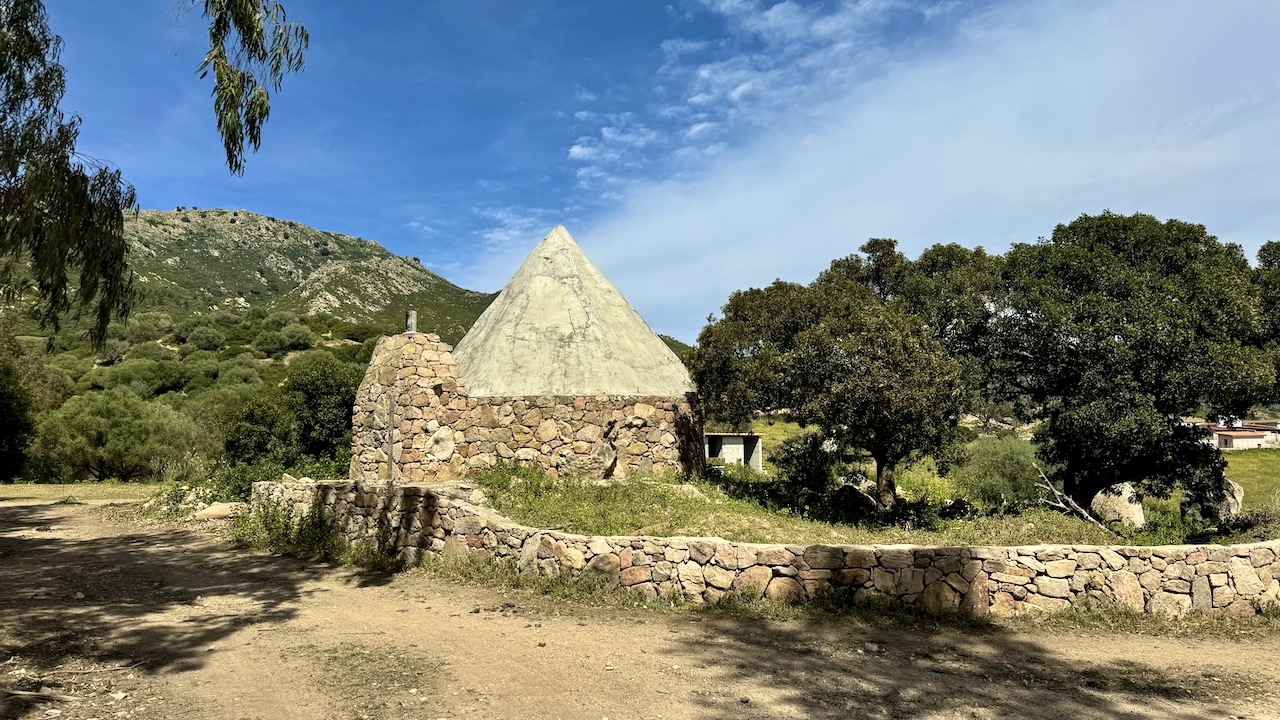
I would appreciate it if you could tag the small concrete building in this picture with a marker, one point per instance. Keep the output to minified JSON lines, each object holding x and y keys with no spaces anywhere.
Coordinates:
{"x":1239,"y":439}
{"x":1239,"y":434}
{"x":735,"y":449}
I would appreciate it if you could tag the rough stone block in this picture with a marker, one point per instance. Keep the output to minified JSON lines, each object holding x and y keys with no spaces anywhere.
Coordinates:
{"x":1126,"y":590}
{"x":1169,"y":604}
{"x":753,"y":580}
{"x":1053,"y":587}
{"x":824,"y":557}
{"x":1245,"y":577}
{"x":896,"y":559}
{"x":784,"y":588}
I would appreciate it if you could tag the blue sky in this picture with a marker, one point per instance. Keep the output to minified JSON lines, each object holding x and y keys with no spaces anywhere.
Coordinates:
{"x":695,"y":147}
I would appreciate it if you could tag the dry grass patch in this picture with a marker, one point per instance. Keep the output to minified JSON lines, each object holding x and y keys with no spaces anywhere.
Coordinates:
{"x":77,"y":491}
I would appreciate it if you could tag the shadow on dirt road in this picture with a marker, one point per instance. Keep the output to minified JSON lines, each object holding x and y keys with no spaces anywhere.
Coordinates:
{"x":831,"y":671}
{"x":66,"y":593}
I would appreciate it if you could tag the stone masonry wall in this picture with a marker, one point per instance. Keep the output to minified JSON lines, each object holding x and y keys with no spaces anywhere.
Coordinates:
{"x":413,"y":408}
{"x":976,"y":580}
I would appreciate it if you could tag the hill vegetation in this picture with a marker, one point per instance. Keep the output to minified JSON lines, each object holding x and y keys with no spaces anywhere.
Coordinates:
{"x":197,"y":261}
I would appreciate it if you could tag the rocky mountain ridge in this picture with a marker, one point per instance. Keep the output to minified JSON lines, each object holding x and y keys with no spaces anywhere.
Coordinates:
{"x":202,"y":260}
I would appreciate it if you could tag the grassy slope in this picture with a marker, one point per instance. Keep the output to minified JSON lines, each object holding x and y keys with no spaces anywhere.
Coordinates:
{"x":1258,"y":472}
{"x":656,"y":506}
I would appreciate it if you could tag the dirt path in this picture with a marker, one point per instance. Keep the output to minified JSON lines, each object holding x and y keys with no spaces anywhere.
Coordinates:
{"x":222,"y":634}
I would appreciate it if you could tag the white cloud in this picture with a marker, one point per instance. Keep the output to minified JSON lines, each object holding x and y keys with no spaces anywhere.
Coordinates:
{"x":1015,"y":119}
{"x":677,"y":48}
{"x":583,"y":94}
{"x":699,"y":129}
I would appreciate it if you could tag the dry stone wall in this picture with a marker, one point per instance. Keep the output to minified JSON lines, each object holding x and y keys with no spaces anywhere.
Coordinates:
{"x":414,"y":420}
{"x":418,"y":522}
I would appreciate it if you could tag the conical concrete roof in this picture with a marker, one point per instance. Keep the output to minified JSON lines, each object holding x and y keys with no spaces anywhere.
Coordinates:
{"x":560,"y":328}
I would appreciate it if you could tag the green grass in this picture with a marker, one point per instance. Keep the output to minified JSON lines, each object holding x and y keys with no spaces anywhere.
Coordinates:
{"x":77,"y":491}
{"x":663,"y":505}
{"x":1258,"y":472}
{"x":773,"y":432}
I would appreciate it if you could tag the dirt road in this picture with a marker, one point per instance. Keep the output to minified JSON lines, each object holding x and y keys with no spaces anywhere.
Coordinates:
{"x":155,"y":622}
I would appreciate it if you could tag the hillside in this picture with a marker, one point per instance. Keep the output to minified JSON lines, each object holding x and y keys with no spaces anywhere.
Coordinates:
{"x":195,"y":261}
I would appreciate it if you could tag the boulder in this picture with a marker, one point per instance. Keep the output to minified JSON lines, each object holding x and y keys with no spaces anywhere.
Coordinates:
{"x":1119,"y":504}
{"x":1223,"y":509}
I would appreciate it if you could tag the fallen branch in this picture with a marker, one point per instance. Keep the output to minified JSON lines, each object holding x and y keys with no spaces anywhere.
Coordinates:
{"x":42,"y":694}
{"x":1063,"y":502}
{"x":96,"y":670}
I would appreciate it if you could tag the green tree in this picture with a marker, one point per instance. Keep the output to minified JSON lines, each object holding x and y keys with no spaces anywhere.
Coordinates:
{"x":61,"y":214}
{"x":298,"y":336}
{"x":872,"y":377}
{"x":1000,"y":472}
{"x":271,"y":342}
{"x":324,"y":389}
{"x":264,"y":427}
{"x":105,"y":435}
{"x":1118,"y":325}
{"x":252,"y":46}
{"x":867,"y":374}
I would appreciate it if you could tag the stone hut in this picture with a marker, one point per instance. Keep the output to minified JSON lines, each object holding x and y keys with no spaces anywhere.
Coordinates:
{"x":560,"y":371}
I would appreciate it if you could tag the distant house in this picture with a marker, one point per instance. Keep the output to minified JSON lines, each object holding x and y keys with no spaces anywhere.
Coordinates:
{"x":1241,"y":435}
{"x":735,"y":449}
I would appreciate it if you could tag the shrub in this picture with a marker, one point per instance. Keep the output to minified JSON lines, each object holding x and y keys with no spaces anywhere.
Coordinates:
{"x":298,"y":336}
{"x":204,"y":337}
{"x":150,"y":350}
{"x":110,"y":434}
{"x":271,"y":342}
{"x":264,"y":428}
{"x":805,"y":463}
{"x":1000,"y":474}
{"x":113,"y":351}
{"x":279,"y":320}
{"x":310,"y":537}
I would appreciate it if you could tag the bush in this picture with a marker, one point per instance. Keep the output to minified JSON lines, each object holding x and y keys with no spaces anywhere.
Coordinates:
{"x":204,"y":337}
{"x":113,"y":351}
{"x":310,"y":537}
{"x":279,"y":320}
{"x":110,"y":435}
{"x":1000,"y":474}
{"x":271,"y":342}
{"x":805,"y":464}
{"x":150,"y":350}
{"x":298,"y":337}
{"x":264,"y":428}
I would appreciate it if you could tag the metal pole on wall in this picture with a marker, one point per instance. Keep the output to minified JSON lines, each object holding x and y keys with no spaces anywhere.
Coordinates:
{"x":411,"y":321}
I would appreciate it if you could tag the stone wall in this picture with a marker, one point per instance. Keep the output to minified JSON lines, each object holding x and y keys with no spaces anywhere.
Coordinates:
{"x":419,"y":522}
{"x":413,"y":409}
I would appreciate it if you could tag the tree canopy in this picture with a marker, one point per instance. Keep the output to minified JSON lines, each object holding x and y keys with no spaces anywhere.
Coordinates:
{"x":1119,"y":325}
{"x":841,"y":354}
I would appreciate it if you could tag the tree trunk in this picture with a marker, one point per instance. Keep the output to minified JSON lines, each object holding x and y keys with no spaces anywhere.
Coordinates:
{"x":886,"y":490}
